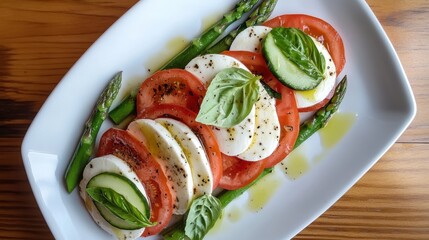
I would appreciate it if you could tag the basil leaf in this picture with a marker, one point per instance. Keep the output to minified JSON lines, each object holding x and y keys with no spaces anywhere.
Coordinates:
{"x":229,"y":98}
{"x":119,"y":206}
{"x":299,"y":48}
{"x":202,"y":216}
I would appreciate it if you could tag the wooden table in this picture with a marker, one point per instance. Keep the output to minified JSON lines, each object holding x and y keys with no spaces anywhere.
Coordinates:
{"x":40,"y":40}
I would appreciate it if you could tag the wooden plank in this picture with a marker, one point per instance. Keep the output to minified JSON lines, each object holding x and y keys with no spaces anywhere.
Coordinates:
{"x":390,"y":202}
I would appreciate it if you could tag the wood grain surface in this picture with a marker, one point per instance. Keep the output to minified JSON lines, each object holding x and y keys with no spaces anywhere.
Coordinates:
{"x":40,"y":41}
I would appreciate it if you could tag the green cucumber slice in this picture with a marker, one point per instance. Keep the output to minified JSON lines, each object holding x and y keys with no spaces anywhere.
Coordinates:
{"x":125,"y":187}
{"x":284,"y":68}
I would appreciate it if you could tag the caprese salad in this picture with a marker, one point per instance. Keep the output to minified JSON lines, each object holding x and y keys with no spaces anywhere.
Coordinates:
{"x":216,"y":124}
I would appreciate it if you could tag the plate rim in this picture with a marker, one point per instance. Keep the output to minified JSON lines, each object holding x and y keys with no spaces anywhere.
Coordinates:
{"x":412,"y":111}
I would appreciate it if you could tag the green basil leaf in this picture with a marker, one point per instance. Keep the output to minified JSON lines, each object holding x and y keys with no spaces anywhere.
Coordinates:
{"x":119,"y":205}
{"x":202,"y":216}
{"x":229,"y":98}
{"x":299,"y":48}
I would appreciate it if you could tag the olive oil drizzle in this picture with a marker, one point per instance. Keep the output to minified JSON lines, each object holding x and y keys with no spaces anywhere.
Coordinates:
{"x":261,"y":192}
{"x":298,"y":163}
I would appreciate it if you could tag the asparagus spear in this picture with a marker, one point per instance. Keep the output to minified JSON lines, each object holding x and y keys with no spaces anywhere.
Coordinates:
{"x":196,"y":47}
{"x":308,"y":128}
{"x":322,"y":116}
{"x":177,"y":231}
{"x":86,"y":144}
{"x":260,"y":15}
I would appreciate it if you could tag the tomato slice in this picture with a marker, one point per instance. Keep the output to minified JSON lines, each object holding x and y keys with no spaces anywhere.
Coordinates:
{"x":176,"y":86}
{"x":317,"y":28}
{"x":287,"y":111}
{"x":204,"y":132}
{"x":238,"y":173}
{"x":288,"y":115}
{"x":123,"y":145}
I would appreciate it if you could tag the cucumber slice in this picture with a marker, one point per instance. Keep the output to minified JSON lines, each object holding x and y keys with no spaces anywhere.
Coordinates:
{"x":126,"y":188}
{"x":284,"y":69}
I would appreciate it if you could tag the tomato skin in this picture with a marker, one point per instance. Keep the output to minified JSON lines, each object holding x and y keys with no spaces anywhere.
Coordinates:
{"x":288,"y":115}
{"x":317,"y":28}
{"x":238,"y":173}
{"x":204,"y":132}
{"x":255,"y":62}
{"x":123,"y":145}
{"x":286,"y":108}
{"x":176,"y":86}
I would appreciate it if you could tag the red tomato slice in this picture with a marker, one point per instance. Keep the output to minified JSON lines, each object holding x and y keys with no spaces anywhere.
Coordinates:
{"x":238,"y":173}
{"x":288,"y":115}
{"x":176,"y":86}
{"x":123,"y":145}
{"x":318,"y":29}
{"x":287,"y":111}
{"x":255,"y":62}
{"x":203,"y":131}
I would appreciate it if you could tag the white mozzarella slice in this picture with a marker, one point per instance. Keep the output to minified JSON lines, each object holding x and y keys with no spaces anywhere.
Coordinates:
{"x":250,"y":39}
{"x":309,"y":98}
{"x":195,"y":153}
{"x":113,"y":164}
{"x":162,"y":145}
{"x":235,"y":140}
{"x":206,"y":67}
{"x":267,"y":128}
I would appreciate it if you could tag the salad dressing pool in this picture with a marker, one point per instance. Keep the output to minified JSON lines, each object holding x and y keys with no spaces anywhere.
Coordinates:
{"x":336,"y":128}
{"x":298,"y":162}
{"x":295,"y":165}
{"x":235,"y":214}
{"x":262,"y":191}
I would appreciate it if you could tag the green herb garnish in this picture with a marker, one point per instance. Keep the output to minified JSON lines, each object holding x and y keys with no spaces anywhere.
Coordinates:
{"x":202,"y":216}
{"x":229,"y":98}
{"x":119,"y":206}
{"x":299,"y":48}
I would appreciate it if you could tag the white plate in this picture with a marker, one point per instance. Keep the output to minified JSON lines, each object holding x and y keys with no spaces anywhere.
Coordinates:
{"x":378,"y":93}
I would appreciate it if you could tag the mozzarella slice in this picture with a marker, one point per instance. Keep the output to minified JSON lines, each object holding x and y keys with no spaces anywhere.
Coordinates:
{"x":267,"y":128}
{"x":250,"y":39}
{"x":162,"y":145}
{"x":311,"y":97}
{"x":194,"y":151}
{"x":206,"y":67}
{"x":113,"y":164}
{"x":235,"y":140}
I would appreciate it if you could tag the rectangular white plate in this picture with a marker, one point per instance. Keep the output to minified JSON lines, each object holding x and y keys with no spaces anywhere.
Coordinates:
{"x":378,"y":92}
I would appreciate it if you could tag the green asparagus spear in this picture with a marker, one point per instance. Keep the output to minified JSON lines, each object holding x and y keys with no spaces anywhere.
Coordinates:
{"x":197,"y":46}
{"x":200,"y":44}
{"x":127,"y":107}
{"x":308,"y":128}
{"x":322,"y":116}
{"x":86,"y":144}
{"x":177,"y":231}
{"x":260,"y":15}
